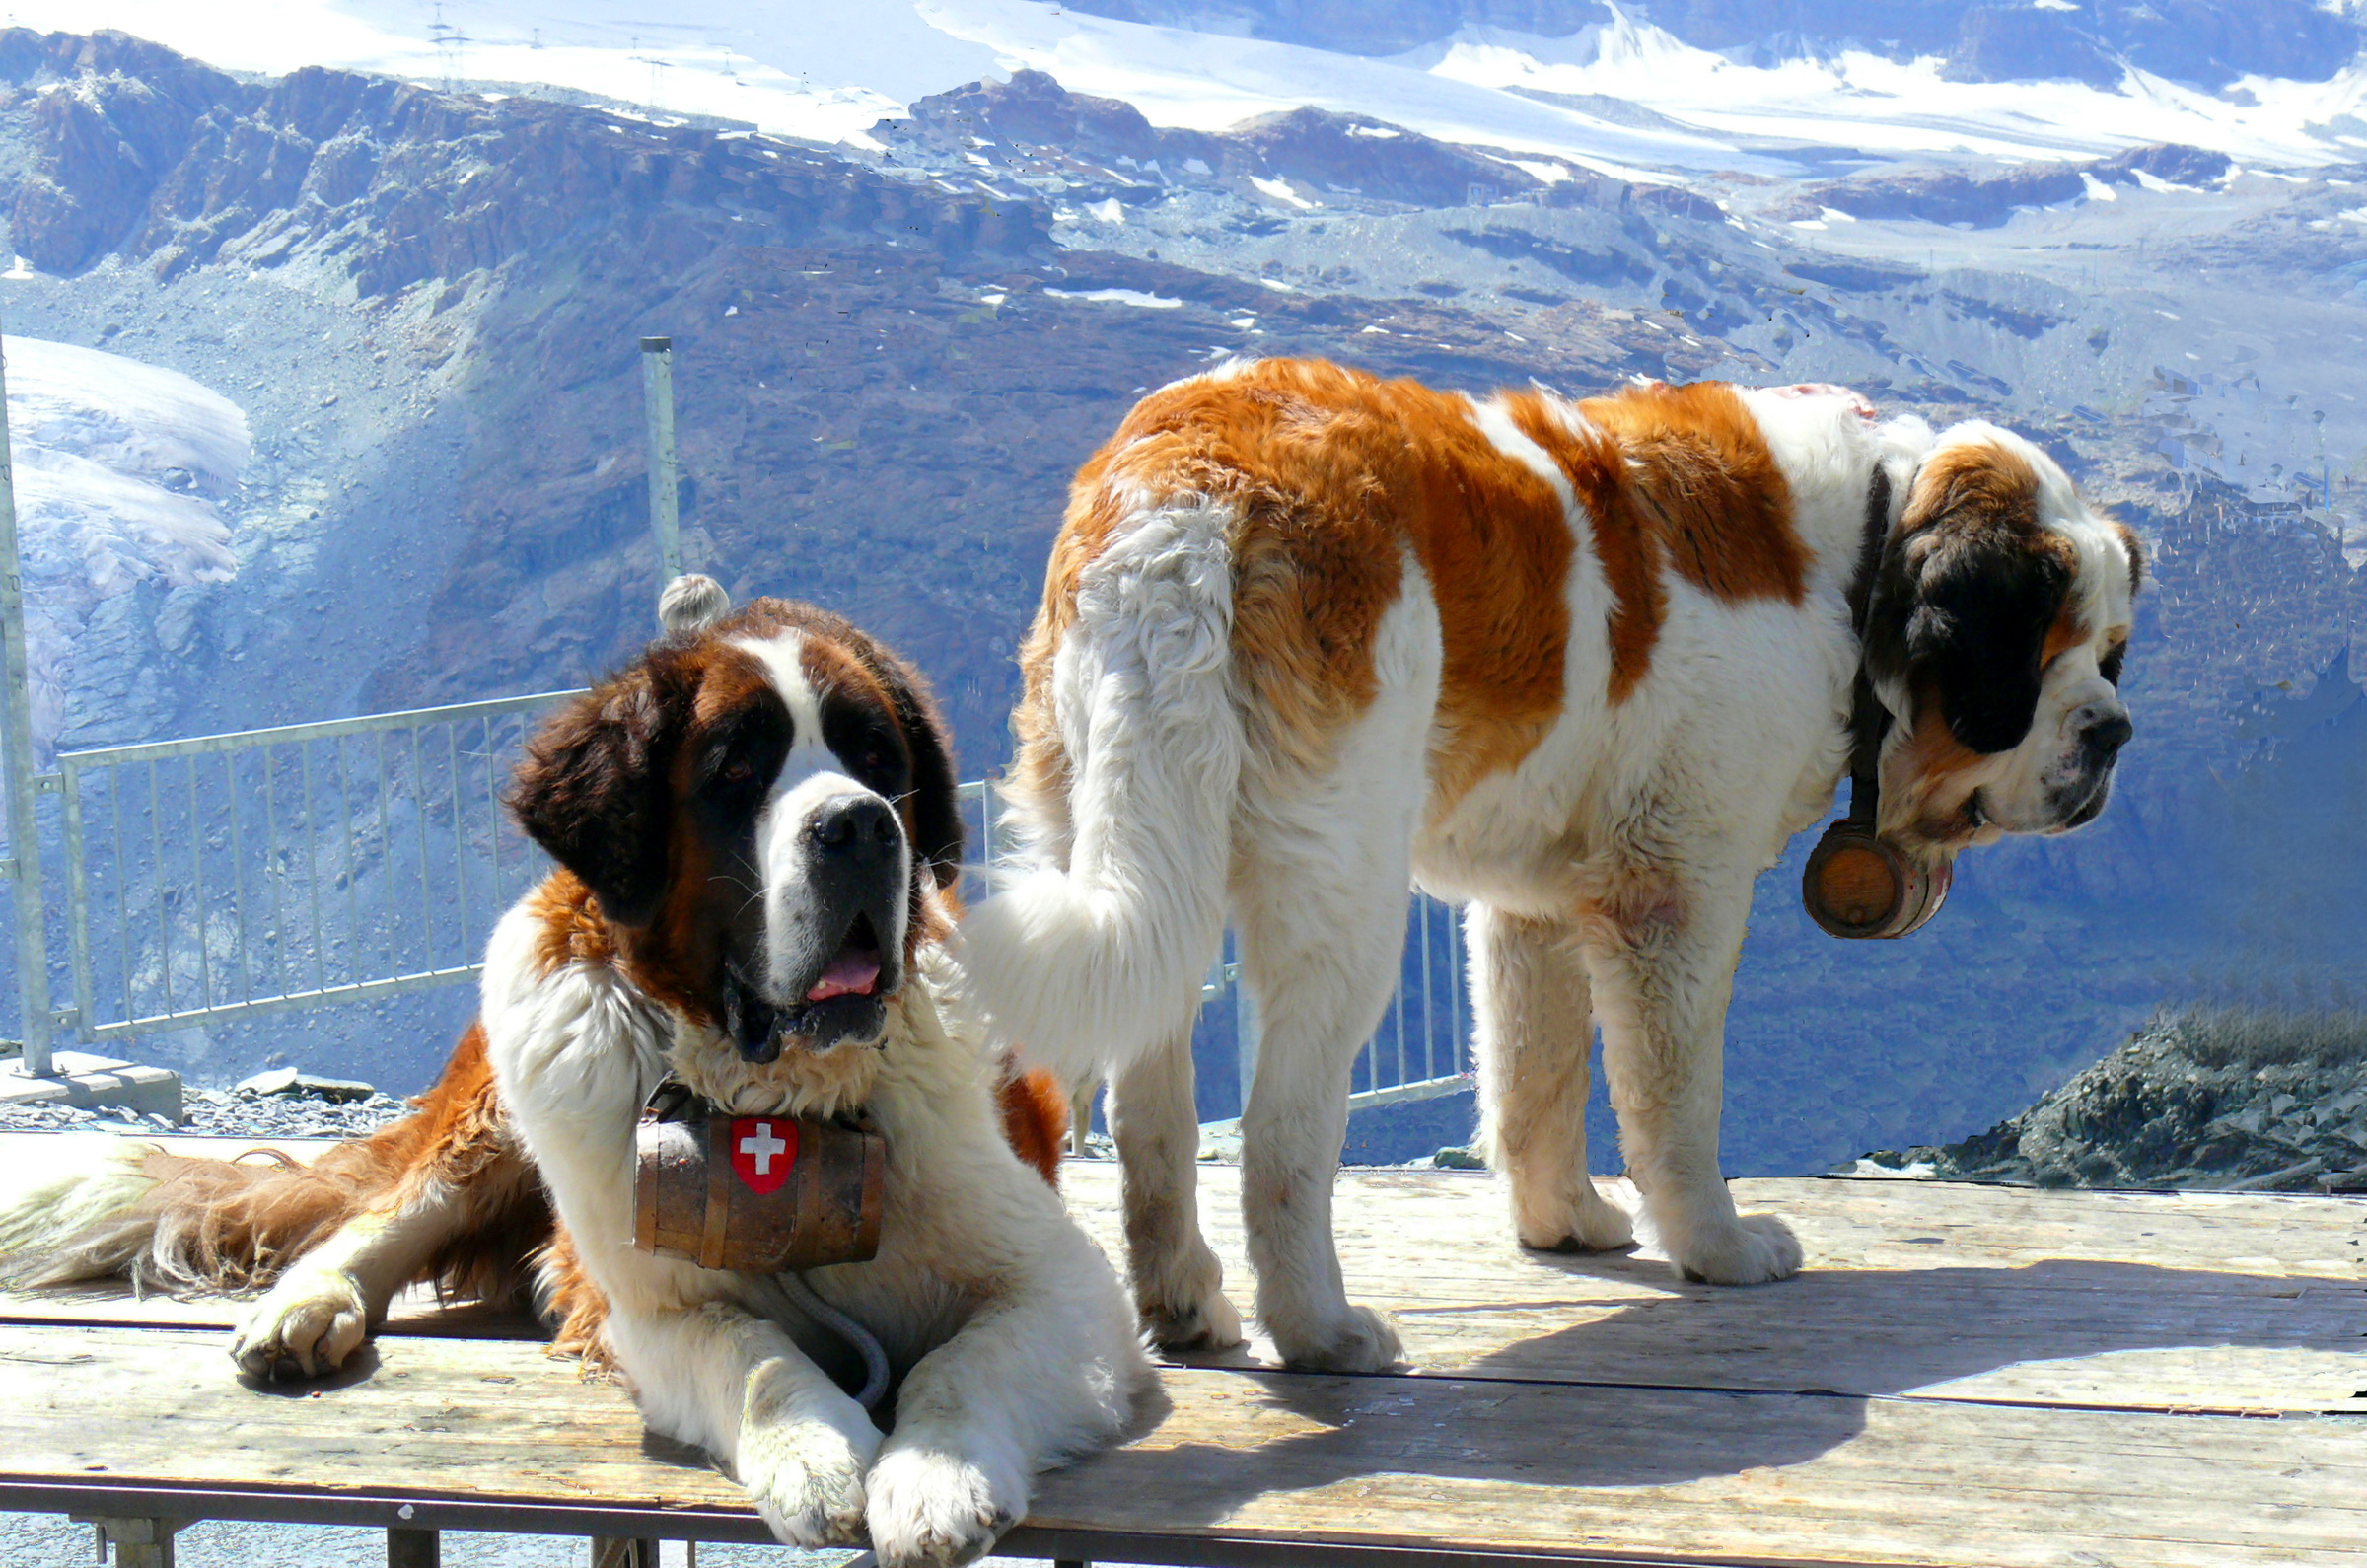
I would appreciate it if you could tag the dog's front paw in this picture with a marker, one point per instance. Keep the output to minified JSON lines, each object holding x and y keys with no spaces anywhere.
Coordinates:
{"x":1585,"y":1223}
{"x":935,"y":1510}
{"x":308,"y":1324}
{"x":1756,"y":1249}
{"x":1206,"y":1323}
{"x":1360,"y":1340}
{"x":806,"y":1478}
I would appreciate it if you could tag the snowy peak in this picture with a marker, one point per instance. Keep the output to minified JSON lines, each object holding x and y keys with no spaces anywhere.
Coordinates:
{"x":2198,"y":41}
{"x":1299,"y":157}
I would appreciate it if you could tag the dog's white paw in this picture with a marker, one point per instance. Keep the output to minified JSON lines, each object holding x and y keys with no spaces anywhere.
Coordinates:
{"x":934,"y":1509}
{"x":1359,"y":1340}
{"x":1756,"y":1249}
{"x":308,"y":1324}
{"x":807,"y":1479}
{"x":1585,"y":1223}
{"x":1207,"y":1322}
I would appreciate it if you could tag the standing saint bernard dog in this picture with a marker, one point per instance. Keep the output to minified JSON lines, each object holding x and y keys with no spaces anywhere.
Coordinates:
{"x":756,"y":824}
{"x":1582,"y":666}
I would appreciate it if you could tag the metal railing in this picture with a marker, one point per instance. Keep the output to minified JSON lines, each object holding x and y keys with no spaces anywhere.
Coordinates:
{"x":229,"y":875}
{"x":225,"y":876}
{"x":1422,"y":1048}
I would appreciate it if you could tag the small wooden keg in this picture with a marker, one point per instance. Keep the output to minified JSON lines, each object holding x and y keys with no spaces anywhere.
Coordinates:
{"x":1858,"y":884}
{"x":755,"y":1194}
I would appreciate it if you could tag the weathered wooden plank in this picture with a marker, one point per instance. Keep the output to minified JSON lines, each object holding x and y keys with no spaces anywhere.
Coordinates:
{"x":1538,"y":1469}
{"x":2225,"y":1301}
{"x":2130,"y":1300}
{"x":415,"y":1312}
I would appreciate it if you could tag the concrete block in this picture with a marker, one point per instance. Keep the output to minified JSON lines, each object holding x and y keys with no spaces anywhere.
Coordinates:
{"x":79,"y":1079}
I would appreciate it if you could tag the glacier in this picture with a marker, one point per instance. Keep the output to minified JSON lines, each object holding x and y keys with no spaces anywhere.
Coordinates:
{"x":121,"y":473}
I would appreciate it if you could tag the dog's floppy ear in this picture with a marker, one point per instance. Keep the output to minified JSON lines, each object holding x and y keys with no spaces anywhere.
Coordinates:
{"x":1969,"y":586}
{"x":935,"y":802}
{"x":592,"y":792}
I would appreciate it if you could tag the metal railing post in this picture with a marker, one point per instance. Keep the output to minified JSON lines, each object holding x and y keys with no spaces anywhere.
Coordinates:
{"x":17,"y":761}
{"x":665,"y":474}
{"x":1246,"y":1037}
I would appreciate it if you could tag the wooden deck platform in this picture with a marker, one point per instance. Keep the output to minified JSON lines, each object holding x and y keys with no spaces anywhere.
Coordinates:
{"x":1963,"y":1376}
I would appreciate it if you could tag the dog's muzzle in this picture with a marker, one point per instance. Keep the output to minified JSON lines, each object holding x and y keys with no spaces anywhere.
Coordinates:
{"x":834,"y":960}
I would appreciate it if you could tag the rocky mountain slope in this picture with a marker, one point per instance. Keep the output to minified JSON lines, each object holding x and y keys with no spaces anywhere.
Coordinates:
{"x":2217,"y":1099}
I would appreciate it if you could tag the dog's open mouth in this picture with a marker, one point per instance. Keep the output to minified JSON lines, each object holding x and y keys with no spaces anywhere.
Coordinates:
{"x":855,"y":969}
{"x":843,"y":1001}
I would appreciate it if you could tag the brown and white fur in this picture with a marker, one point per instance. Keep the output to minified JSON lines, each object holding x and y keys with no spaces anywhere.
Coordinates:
{"x":756,"y":825}
{"x":1581,"y":666}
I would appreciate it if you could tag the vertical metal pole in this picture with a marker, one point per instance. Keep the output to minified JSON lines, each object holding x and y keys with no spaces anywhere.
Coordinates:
{"x":657,"y":393}
{"x":413,"y":1549}
{"x":1245,"y":1028}
{"x":16,"y":759}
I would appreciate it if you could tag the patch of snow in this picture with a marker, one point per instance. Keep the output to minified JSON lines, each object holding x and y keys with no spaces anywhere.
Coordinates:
{"x":1855,"y":98}
{"x":120,"y":467}
{"x":1379,"y":133}
{"x":1133,"y":297}
{"x":1551,"y":174}
{"x":1278,"y":286}
{"x":2096,"y":188}
{"x":1280,"y":190}
{"x":1110,"y":211}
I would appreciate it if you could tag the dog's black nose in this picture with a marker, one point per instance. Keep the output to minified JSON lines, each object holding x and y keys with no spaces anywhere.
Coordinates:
{"x":854,"y":823}
{"x":2104,"y":735}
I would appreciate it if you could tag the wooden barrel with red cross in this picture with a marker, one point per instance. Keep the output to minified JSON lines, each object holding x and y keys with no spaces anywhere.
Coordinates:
{"x":755,"y":1194}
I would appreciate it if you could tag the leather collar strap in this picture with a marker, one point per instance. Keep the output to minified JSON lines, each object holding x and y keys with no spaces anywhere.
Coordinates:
{"x":1869,"y":720}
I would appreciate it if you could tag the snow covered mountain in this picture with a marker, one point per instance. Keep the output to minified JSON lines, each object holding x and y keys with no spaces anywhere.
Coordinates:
{"x":1672,"y":86}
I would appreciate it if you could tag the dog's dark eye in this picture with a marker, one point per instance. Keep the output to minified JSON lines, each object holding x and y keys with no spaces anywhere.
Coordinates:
{"x":737,"y":771}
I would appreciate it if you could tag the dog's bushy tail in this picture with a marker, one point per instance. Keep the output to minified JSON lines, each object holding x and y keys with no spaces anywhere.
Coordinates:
{"x":106,"y":1206}
{"x":1124,"y":796}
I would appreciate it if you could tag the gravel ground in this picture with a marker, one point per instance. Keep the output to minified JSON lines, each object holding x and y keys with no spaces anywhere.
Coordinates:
{"x":224,"y":1114}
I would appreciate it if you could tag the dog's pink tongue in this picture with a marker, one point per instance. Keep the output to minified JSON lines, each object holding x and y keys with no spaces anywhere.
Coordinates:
{"x":850,"y":973}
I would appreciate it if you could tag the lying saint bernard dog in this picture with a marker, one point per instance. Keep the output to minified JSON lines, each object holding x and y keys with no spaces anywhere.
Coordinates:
{"x":1581,"y":666}
{"x":756,"y":825}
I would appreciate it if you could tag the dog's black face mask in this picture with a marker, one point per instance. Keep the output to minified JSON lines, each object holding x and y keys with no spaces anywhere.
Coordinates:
{"x":762,"y":805}
{"x":1999,"y":623}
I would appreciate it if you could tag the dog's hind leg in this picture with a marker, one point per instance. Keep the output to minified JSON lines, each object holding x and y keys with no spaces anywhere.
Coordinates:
{"x":1320,"y":952}
{"x":1178,"y":1285}
{"x":1322,"y":876}
{"x":1533,"y":1026}
{"x":1662,"y":944}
